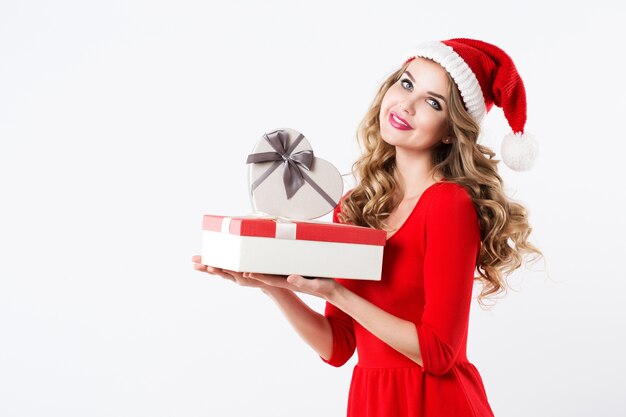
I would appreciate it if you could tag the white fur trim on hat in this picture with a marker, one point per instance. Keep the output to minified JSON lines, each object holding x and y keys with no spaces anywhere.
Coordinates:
{"x":461,"y":73}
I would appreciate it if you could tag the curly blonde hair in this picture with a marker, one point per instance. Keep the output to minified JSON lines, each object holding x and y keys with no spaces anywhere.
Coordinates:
{"x":503,"y":223}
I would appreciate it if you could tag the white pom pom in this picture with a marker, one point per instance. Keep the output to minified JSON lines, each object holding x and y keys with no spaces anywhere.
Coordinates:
{"x":519,"y":151}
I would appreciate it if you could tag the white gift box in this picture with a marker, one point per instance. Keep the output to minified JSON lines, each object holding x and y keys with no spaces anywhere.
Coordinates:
{"x":312,"y":249}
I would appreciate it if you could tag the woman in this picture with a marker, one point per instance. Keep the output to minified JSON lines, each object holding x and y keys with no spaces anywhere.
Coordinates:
{"x":424,"y":178}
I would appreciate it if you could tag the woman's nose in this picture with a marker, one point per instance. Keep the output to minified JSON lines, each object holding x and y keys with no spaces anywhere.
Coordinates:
{"x":407,"y":107}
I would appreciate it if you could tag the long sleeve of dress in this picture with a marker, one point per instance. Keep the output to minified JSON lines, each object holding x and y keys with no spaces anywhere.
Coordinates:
{"x":344,"y":340}
{"x":452,"y":245}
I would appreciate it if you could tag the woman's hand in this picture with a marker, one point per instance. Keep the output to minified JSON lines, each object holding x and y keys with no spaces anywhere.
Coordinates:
{"x":236,"y":277}
{"x":319,"y":287}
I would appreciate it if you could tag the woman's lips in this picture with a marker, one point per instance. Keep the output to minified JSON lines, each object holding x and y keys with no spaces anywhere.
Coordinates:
{"x":398,"y":122}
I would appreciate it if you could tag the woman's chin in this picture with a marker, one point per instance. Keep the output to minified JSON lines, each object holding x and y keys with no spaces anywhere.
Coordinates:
{"x":390,"y":136}
{"x":387,"y":141}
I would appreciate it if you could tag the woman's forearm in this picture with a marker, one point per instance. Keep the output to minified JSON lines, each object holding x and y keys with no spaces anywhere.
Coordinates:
{"x":312,"y":326}
{"x":398,"y":333}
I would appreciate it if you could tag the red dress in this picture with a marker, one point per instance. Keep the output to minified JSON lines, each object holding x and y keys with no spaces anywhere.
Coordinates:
{"x":427,"y":278}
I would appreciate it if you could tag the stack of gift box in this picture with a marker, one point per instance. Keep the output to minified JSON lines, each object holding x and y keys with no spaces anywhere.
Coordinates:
{"x":289,"y":187}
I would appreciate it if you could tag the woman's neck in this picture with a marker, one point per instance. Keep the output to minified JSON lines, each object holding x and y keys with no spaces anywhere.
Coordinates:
{"x":413,"y":173}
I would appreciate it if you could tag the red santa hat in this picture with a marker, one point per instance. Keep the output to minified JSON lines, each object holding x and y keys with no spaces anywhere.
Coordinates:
{"x":486,"y":75}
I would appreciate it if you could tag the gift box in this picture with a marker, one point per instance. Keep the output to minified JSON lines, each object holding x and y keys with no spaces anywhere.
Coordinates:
{"x":286,"y":179}
{"x":277,"y":246}
{"x":289,"y":186}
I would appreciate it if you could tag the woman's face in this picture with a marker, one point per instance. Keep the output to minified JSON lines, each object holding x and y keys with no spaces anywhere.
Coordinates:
{"x":413,"y":113}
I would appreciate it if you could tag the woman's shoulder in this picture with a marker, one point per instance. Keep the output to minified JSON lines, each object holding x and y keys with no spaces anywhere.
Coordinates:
{"x":447,"y":194}
{"x":442,"y":196}
{"x":450,"y":190}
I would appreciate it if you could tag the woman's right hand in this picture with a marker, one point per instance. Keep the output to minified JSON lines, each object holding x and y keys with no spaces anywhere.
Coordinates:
{"x":236,"y":277}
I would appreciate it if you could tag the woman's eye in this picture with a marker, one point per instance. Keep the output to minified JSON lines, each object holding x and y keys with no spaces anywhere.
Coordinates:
{"x":406,"y":84}
{"x":434,"y":103}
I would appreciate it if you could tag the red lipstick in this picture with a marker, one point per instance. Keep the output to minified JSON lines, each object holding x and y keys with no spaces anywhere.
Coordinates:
{"x":398,"y":122}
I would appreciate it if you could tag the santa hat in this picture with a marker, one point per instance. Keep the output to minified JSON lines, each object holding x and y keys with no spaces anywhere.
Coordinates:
{"x":486,"y":75}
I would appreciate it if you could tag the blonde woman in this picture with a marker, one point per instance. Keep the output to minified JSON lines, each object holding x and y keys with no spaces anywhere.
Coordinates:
{"x":424,"y":178}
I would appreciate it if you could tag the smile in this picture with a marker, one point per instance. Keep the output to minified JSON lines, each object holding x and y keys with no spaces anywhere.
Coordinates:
{"x":398,"y":122}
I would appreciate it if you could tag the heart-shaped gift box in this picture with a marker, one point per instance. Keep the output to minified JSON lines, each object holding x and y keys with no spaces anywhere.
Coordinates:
{"x":285,"y":179}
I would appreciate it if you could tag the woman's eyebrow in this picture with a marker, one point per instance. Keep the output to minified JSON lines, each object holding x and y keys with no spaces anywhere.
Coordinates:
{"x":429,"y":92}
{"x":437,"y":95}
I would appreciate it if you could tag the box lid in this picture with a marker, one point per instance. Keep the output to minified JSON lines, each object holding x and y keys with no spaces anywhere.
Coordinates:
{"x":316,"y":231}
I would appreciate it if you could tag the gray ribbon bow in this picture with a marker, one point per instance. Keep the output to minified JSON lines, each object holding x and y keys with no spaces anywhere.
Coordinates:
{"x":293,"y":164}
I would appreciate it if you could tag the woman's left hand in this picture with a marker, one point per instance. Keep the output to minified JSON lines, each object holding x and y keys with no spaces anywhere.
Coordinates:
{"x":319,"y":287}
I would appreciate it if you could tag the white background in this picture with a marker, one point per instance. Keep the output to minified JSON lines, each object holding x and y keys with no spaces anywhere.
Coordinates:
{"x":123,"y":122}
